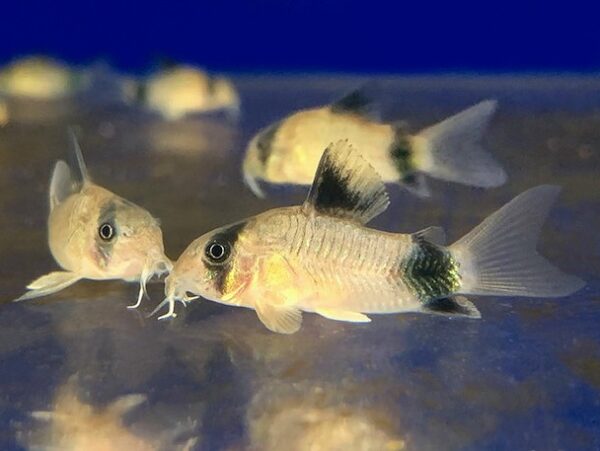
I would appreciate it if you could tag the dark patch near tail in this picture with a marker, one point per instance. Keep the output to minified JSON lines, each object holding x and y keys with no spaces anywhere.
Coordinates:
{"x":401,"y":154}
{"x":227,"y":236}
{"x":333,"y":192}
{"x":430,"y":271}
{"x":356,"y":102}
{"x":265,"y":142}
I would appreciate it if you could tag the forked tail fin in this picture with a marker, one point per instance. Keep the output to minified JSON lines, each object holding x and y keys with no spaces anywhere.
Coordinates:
{"x":499,"y":257}
{"x":451,"y":150}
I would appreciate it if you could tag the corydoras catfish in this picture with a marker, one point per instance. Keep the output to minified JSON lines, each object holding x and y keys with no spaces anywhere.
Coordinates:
{"x":96,"y":234}
{"x":320,"y":257}
{"x":288,"y":151}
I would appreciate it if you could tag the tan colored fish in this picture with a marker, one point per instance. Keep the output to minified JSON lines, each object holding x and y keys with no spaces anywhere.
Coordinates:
{"x":320,"y":257}
{"x":289,"y":150}
{"x":39,"y":78}
{"x":183,"y":90}
{"x":95,"y":234}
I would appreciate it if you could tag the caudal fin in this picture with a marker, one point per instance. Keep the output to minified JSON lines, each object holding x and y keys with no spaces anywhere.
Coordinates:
{"x":499,"y":257}
{"x":451,"y":150}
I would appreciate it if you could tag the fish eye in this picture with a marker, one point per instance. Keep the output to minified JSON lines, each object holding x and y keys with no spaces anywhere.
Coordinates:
{"x":217,"y":252}
{"x":106,"y":231}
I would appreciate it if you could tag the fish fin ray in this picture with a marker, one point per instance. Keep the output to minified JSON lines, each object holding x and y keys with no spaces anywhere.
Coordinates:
{"x":49,"y":284}
{"x":342,"y":315}
{"x":76,"y":150}
{"x":451,"y":149}
{"x":433,"y":234}
{"x":346,"y":186}
{"x":280,"y":319}
{"x":452,"y":306}
{"x":499,"y":257}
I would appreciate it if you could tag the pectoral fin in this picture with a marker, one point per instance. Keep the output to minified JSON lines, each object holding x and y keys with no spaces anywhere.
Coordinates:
{"x":280,"y":319}
{"x":48,"y":284}
{"x":342,"y":315}
{"x":454,"y":306}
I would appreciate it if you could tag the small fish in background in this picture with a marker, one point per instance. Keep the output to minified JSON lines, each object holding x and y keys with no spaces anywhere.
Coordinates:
{"x":183,"y":90}
{"x":320,"y":257}
{"x":40,"y":78}
{"x":95,"y":234}
{"x":288,"y":151}
{"x":76,"y":425}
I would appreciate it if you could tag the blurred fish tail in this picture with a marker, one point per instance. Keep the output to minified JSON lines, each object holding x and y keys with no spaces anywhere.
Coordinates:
{"x":499,"y":257}
{"x":451,"y":149}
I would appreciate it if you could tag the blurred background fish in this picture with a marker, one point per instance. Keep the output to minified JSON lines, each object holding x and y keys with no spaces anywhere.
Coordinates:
{"x":289,"y":150}
{"x":183,"y":90}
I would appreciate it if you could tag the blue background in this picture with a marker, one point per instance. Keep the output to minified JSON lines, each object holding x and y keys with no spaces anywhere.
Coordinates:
{"x":324,"y":35}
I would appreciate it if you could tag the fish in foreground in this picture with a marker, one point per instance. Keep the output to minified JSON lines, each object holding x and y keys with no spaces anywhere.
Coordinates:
{"x":289,"y":150}
{"x":95,"y":234}
{"x":320,"y":257}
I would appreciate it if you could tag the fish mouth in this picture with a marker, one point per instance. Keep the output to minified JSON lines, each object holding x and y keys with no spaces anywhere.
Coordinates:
{"x":156,"y":264}
{"x":174,"y":294}
{"x":251,"y":182}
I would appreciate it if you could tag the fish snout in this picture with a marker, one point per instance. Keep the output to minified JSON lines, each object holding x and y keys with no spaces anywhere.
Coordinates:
{"x":158,"y":262}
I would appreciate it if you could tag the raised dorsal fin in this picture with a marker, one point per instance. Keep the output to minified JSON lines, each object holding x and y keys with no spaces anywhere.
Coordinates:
{"x":346,"y":186}
{"x":62,"y":184}
{"x":434,"y":234}
{"x":76,"y":149}
{"x":359,"y":102}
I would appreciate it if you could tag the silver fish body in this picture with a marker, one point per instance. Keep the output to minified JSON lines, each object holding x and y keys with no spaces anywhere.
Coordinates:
{"x":320,"y":257}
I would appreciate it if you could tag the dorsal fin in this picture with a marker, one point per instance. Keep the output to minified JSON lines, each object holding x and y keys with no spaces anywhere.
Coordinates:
{"x":359,"y":102}
{"x":76,"y":149}
{"x":62,"y":184}
{"x":346,"y":186}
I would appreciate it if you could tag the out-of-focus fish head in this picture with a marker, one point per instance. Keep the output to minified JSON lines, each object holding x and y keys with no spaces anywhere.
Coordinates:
{"x":211,"y":267}
{"x":129,"y":242}
{"x":258,"y":155}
